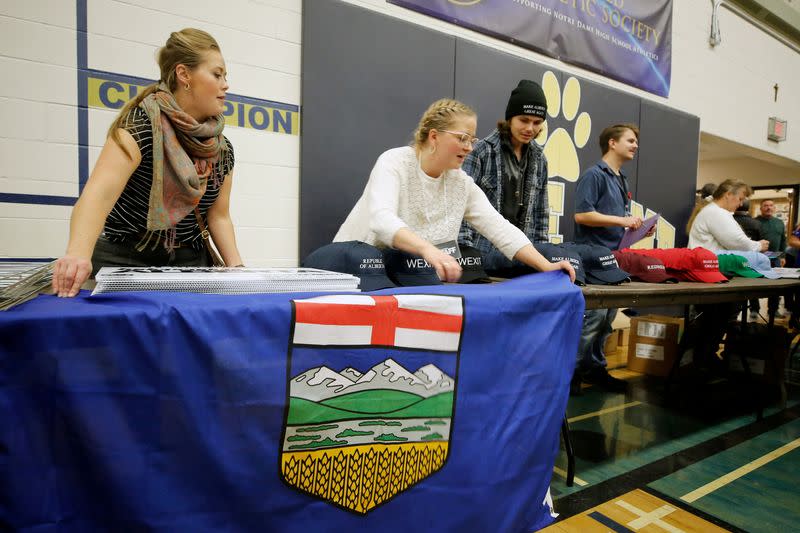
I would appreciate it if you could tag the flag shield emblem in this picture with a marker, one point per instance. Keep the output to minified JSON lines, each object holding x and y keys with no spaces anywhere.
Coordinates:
{"x":371,"y":394}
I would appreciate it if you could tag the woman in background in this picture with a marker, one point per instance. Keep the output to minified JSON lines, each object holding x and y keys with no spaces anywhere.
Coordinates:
{"x":713,"y":227}
{"x":417,"y":197}
{"x":165,"y":164}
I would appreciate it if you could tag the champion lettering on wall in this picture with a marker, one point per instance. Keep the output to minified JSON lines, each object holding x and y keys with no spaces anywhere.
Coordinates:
{"x":111,"y":91}
{"x":627,"y":40}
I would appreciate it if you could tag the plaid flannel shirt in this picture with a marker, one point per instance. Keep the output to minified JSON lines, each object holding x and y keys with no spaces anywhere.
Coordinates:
{"x":485,"y":165}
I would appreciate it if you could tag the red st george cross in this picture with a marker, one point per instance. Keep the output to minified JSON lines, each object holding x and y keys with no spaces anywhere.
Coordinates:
{"x":384,"y":317}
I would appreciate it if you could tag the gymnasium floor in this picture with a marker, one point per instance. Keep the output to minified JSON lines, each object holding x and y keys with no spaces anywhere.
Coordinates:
{"x":693,"y":458}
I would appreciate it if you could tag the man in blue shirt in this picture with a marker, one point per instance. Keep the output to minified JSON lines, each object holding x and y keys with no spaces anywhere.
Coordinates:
{"x":603,"y":199}
{"x":602,"y":212}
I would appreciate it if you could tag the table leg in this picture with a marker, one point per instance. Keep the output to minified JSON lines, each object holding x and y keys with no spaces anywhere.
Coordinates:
{"x":751,"y":379}
{"x":682,"y":346}
{"x":570,"y":452}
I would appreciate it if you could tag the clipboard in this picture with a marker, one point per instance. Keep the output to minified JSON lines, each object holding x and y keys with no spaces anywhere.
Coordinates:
{"x":631,"y":237}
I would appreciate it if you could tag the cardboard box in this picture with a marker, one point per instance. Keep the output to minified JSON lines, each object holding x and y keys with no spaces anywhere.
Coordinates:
{"x":624,"y":336}
{"x":612,"y":343}
{"x":621,"y":357}
{"x":621,"y":321}
{"x":653,"y":344}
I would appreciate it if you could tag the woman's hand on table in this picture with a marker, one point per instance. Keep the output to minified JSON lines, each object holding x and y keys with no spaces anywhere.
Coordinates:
{"x":566,"y":267}
{"x":69,"y":273}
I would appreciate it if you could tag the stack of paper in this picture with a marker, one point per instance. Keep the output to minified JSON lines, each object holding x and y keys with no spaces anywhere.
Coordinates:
{"x":787,"y":272}
{"x":211,"y":280}
{"x":23,"y":281}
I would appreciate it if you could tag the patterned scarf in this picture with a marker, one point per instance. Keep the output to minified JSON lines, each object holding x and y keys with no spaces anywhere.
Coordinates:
{"x":184,"y":154}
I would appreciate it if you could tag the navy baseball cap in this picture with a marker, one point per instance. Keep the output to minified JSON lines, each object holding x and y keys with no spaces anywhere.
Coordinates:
{"x":600,"y":265}
{"x":352,"y":257}
{"x":556,"y":252}
{"x":472,"y":266}
{"x":408,"y":270}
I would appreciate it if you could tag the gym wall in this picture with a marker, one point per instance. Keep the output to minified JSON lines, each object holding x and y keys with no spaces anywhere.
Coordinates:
{"x":368,"y":77}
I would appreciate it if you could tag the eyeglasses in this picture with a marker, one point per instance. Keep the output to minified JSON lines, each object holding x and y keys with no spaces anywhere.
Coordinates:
{"x":465,"y":139}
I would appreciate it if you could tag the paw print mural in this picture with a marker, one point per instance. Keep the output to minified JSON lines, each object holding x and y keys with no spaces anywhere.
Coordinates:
{"x":561,"y":146}
{"x":561,"y":149}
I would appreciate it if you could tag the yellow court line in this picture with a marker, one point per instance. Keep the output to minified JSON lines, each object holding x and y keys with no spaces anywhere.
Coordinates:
{"x":563,"y":474}
{"x":739,"y":472}
{"x":603,"y":411}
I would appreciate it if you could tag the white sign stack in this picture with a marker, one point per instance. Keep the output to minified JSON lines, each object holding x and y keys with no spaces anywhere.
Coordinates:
{"x":211,"y":280}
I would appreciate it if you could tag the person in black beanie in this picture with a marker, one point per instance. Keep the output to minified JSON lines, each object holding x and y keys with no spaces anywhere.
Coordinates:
{"x":511,"y":169}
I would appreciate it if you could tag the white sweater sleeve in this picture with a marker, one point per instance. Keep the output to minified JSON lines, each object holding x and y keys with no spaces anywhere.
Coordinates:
{"x":503,"y":234}
{"x":728,"y":233}
{"x":382,"y":195}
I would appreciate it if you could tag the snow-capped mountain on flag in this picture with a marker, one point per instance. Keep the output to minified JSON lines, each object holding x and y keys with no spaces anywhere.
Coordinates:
{"x":435,"y":378}
{"x":320,"y":383}
{"x":351,"y":373}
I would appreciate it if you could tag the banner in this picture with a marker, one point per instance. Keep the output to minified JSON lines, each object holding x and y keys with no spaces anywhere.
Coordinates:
{"x":434,"y":408}
{"x":627,"y":40}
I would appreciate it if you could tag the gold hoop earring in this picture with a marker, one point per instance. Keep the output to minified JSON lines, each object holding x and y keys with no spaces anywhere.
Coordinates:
{"x":187,"y":87}
{"x":433,"y":149}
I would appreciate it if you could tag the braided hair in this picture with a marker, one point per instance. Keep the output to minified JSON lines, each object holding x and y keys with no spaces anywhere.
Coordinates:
{"x":440,"y":115}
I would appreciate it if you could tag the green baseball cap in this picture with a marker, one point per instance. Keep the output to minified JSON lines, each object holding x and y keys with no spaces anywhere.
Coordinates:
{"x":735,"y":265}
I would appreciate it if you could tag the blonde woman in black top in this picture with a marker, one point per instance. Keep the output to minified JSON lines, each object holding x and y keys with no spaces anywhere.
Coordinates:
{"x":165,"y":159}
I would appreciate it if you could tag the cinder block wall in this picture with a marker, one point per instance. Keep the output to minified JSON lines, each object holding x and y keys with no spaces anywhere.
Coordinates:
{"x":729,"y":87}
{"x":41,"y":56}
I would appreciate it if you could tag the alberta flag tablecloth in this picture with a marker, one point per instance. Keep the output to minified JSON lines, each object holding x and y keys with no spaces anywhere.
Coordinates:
{"x":426,"y":408}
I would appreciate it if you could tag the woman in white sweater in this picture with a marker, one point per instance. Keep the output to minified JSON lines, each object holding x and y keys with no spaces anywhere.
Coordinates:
{"x":713,"y":227}
{"x":417,"y":196}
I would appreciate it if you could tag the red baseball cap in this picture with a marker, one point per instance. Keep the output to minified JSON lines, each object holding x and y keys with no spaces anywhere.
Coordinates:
{"x":643,"y":267}
{"x":697,"y":264}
